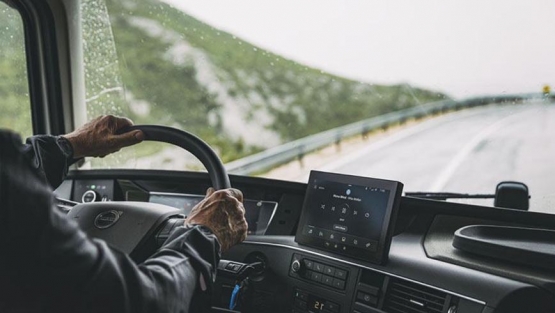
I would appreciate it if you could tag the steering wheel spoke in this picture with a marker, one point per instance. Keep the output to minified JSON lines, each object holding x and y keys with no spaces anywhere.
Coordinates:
{"x":132,"y":226}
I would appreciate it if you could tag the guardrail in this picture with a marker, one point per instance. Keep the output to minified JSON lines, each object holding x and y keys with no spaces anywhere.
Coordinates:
{"x":298,"y":148}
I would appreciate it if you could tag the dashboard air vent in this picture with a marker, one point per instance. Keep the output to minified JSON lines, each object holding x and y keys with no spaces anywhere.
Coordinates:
{"x":406,"y":297}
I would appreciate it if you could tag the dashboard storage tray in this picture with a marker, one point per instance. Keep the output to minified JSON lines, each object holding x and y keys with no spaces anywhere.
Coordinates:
{"x":529,"y":246}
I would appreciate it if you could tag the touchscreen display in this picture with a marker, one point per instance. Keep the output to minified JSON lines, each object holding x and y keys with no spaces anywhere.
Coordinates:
{"x":349,"y":215}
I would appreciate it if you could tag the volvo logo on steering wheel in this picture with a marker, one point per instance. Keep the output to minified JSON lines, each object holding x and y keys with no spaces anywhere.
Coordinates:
{"x":106,"y":219}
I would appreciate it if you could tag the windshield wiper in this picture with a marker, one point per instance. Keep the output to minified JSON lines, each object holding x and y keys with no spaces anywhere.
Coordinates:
{"x":508,"y":194}
{"x":448,"y":195}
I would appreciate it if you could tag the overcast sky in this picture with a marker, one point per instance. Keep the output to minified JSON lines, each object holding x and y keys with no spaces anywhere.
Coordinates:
{"x":462,"y":47}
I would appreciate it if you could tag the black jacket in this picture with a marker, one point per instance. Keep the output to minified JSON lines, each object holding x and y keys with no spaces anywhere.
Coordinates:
{"x":47,"y":264}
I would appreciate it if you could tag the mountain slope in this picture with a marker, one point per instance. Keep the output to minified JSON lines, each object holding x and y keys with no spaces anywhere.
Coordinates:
{"x":254,"y":97}
{"x":179,"y":71}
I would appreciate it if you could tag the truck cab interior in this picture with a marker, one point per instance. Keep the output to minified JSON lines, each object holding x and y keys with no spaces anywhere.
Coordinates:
{"x":360,"y":197}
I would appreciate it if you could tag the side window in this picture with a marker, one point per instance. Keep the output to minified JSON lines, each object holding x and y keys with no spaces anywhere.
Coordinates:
{"x":14,"y":86}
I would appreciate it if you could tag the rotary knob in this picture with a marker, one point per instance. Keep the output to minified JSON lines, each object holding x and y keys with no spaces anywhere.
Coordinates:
{"x":296,"y":266}
{"x":90,"y":196}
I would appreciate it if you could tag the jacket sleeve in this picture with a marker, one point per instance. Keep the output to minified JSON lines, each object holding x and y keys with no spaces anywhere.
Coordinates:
{"x":50,"y":156}
{"x":48,"y":264}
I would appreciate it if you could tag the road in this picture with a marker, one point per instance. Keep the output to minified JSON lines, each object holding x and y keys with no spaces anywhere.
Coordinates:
{"x":468,"y":151}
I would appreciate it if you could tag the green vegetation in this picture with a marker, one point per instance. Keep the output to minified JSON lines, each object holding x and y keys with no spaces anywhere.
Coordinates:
{"x":300,"y":100}
{"x":14,"y":92}
{"x":178,"y":71}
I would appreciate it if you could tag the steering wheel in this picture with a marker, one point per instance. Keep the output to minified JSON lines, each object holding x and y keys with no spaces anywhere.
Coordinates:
{"x":133,"y":227}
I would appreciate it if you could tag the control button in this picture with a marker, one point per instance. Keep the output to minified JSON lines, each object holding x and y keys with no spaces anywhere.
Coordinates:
{"x":342,"y":228}
{"x":317,"y":277}
{"x":366,"y":298}
{"x":363,"y":308}
{"x":371,"y":290}
{"x":307,"y":274}
{"x":89,"y":196}
{"x":308,"y":263}
{"x":371,"y":246}
{"x":332,"y":306}
{"x":300,"y":304}
{"x":318,"y":267}
{"x":301,"y":295}
{"x":338,"y":283}
{"x":233,"y":267}
{"x":327,"y":280}
{"x":341,"y":274}
{"x":328,"y":270}
{"x":229,"y":266}
{"x":327,"y":244}
{"x":344,"y":210}
{"x":309,"y":231}
{"x":295,"y":266}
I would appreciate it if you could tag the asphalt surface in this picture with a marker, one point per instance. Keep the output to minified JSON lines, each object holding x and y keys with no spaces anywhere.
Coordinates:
{"x":468,"y":151}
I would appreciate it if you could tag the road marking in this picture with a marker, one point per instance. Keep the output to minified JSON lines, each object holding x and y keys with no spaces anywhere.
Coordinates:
{"x":330,"y":167}
{"x":447,"y":173}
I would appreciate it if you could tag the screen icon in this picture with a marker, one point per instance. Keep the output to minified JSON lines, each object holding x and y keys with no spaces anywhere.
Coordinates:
{"x":342,"y":228}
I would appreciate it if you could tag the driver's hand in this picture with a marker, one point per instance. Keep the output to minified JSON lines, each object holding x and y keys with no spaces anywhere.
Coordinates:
{"x":222,"y":211}
{"x":99,"y":138}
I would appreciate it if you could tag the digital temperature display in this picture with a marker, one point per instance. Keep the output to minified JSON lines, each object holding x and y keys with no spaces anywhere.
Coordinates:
{"x":315,"y":304}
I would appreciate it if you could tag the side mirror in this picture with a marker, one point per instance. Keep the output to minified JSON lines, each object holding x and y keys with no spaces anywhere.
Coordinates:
{"x":512,"y":195}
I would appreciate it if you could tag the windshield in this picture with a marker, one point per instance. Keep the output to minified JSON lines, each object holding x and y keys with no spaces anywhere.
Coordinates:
{"x":442,"y":96}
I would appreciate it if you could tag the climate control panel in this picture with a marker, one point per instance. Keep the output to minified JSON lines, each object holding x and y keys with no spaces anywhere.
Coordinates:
{"x":318,"y":272}
{"x":305,"y":302}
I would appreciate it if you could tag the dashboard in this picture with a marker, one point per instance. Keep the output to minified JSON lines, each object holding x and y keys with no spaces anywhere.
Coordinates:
{"x":258,"y":213}
{"x":418,"y":269}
